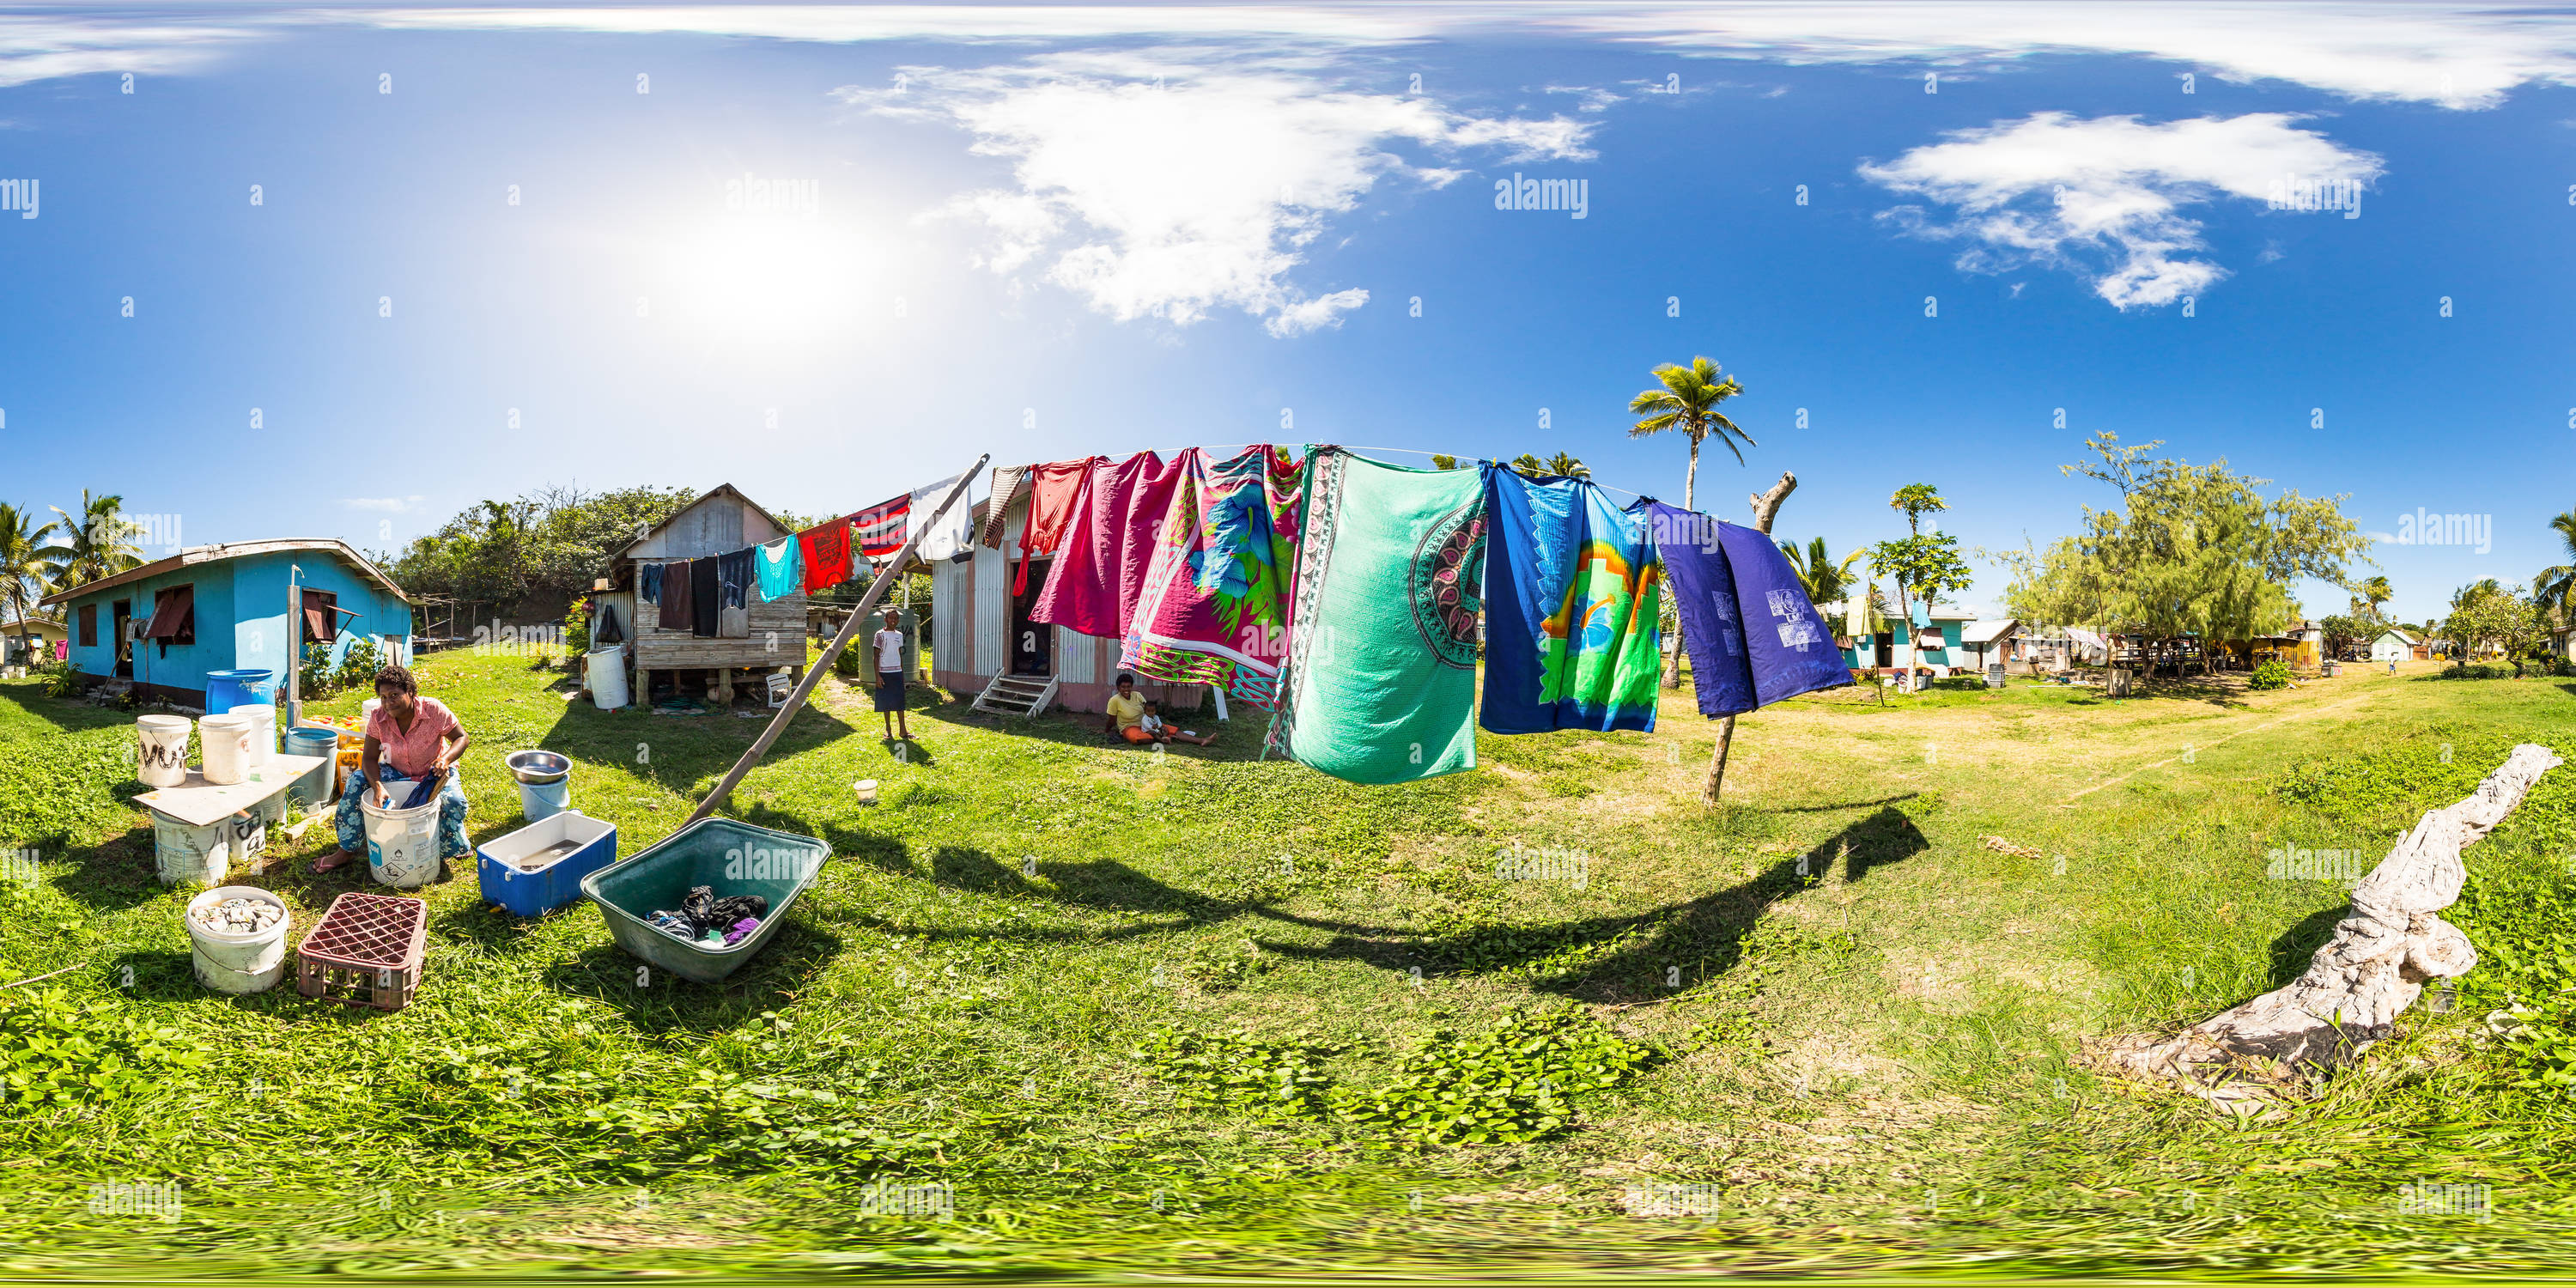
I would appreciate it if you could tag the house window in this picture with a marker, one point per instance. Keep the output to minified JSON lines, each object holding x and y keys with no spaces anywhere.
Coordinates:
{"x":89,"y":626}
{"x":174,"y":616}
{"x":321,"y":616}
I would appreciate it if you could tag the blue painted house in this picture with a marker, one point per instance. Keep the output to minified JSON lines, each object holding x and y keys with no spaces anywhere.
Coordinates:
{"x":1946,"y":645}
{"x":243,"y":605}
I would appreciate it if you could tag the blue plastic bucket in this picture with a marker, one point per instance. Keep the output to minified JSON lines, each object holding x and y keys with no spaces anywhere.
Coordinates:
{"x":314,"y":788}
{"x":542,"y":801}
{"x":228,"y":689}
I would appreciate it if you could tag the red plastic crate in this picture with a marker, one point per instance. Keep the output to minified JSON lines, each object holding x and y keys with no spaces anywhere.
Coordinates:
{"x":366,"y":951}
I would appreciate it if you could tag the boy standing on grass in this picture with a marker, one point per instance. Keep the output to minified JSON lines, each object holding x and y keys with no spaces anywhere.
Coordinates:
{"x":889,"y":649}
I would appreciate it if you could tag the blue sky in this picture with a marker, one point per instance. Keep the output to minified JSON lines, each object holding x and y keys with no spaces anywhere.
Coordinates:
{"x":1046,"y":232}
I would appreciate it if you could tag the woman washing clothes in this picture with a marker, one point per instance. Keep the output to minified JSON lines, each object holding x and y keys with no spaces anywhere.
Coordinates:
{"x":410,"y":740}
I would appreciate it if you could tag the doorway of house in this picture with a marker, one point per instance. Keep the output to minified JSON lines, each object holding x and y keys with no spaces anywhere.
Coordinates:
{"x":1032,"y":643}
{"x":123,"y":612}
{"x":1884,"y":644}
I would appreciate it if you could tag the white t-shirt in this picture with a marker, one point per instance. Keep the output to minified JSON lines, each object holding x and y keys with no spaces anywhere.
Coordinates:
{"x":889,"y":650}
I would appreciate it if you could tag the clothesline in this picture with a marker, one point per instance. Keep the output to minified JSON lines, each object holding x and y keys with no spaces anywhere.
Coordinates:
{"x":1411,"y":451}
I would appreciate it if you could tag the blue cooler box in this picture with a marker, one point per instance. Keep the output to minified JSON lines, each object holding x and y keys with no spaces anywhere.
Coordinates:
{"x":539,"y":868}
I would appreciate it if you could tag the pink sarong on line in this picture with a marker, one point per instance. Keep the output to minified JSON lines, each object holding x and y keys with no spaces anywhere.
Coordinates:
{"x":1216,"y":602}
{"x":1099,"y":570}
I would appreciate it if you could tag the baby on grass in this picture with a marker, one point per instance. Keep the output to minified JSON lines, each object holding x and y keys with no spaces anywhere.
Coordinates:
{"x":1161,"y":730}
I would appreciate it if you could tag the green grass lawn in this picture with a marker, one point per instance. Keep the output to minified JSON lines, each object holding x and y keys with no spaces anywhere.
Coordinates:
{"x":1203,"y":1013}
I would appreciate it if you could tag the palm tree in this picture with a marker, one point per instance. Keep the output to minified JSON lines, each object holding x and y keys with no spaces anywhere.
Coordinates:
{"x":1688,"y":402}
{"x":100,"y":544}
{"x":2555,"y":588}
{"x":1560,"y":465}
{"x":2375,"y":592}
{"x":1825,"y":580}
{"x":23,"y":569}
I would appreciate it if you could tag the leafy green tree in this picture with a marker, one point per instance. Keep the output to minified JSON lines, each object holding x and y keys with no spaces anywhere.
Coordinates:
{"x":2190,"y":552}
{"x":98,"y":542}
{"x":1560,"y":465}
{"x":1688,"y":401}
{"x":2374,"y":591}
{"x":2487,"y":614}
{"x":1919,"y":565}
{"x":2344,"y":634}
{"x":2554,"y":590}
{"x":539,"y":551}
{"x":1825,"y":580}
{"x":25,"y":575}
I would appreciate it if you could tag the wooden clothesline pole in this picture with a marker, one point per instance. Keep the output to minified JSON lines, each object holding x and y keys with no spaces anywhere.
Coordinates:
{"x":849,"y":628}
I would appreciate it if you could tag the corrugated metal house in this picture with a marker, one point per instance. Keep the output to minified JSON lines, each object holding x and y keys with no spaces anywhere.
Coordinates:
{"x":980,"y":628}
{"x":773,"y":631}
{"x":237,"y":606}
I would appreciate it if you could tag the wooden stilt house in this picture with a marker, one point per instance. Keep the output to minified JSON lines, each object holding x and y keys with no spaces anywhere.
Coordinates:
{"x":773,"y":631}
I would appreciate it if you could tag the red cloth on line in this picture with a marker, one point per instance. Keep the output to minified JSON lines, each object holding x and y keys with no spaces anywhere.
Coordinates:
{"x":879,"y":527}
{"x":826,"y":549}
{"x":1055,"y":493}
{"x":1100,"y":573}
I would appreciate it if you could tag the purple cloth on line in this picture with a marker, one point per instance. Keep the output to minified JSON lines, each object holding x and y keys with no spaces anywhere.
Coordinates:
{"x":1754,"y":638}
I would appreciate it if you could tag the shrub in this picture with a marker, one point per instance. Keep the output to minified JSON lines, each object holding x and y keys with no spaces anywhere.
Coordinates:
{"x":318,"y":678}
{"x":2273,"y":673}
{"x":359,"y":666}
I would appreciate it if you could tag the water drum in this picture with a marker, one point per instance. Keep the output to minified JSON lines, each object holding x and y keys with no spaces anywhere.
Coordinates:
{"x":226,"y":743}
{"x":161,"y":749}
{"x":402,"y":844}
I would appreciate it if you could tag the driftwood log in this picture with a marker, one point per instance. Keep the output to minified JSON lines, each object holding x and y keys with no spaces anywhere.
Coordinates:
{"x":2382,"y":954}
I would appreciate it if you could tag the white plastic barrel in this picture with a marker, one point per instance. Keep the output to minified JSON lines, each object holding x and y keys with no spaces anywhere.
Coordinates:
{"x":161,"y":749}
{"x":607,"y":669}
{"x":263,"y":731}
{"x":237,"y":963}
{"x":225,"y":740}
{"x":402,"y":844}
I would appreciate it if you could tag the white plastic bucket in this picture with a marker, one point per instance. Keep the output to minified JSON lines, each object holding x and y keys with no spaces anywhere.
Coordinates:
{"x":402,"y":844}
{"x":161,"y":749}
{"x":607,"y":671}
{"x":205,"y":853}
{"x":263,"y":731}
{"x":226,"y":742}
{"x":237,"y":963}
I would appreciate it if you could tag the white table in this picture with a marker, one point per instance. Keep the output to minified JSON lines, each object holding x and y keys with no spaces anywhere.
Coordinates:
{"x":199,"y":829}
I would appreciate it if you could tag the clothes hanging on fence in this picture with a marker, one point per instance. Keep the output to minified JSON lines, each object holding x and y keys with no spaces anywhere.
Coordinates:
{"x":1055,"y":495}
{"x":679,"y":608}
{"x":878,"y":529}
{"x":1380,"y":685}
{"x":1215,"y":608}
{"x":1100,"y":573}
{"x":781,"y":570}
{"x":1572,"y":593}
{"x":824,"y":550}
{"x":705,"y":599}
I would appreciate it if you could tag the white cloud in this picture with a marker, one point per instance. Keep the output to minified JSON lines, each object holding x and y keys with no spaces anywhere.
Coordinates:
{"x":1171,"y":184}
{"x":35,"y":48}
{"x":2105,"y":197}
{"x":2458,"y":55}
{"x":387,"y":504}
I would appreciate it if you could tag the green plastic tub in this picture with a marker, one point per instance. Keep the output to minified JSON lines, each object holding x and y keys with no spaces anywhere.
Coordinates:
{"x":733,"y":858}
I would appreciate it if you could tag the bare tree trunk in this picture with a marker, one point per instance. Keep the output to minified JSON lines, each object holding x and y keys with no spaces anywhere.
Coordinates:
{"x":1765,"y":507}
{"x":2382,"y":954}
{"x":1690,"y":492}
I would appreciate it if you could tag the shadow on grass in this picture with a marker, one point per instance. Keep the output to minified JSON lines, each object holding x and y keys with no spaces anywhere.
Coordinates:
{"x":1625,"y":958}
{"x":2294,"y":948}
{"x":657,"y":1001}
